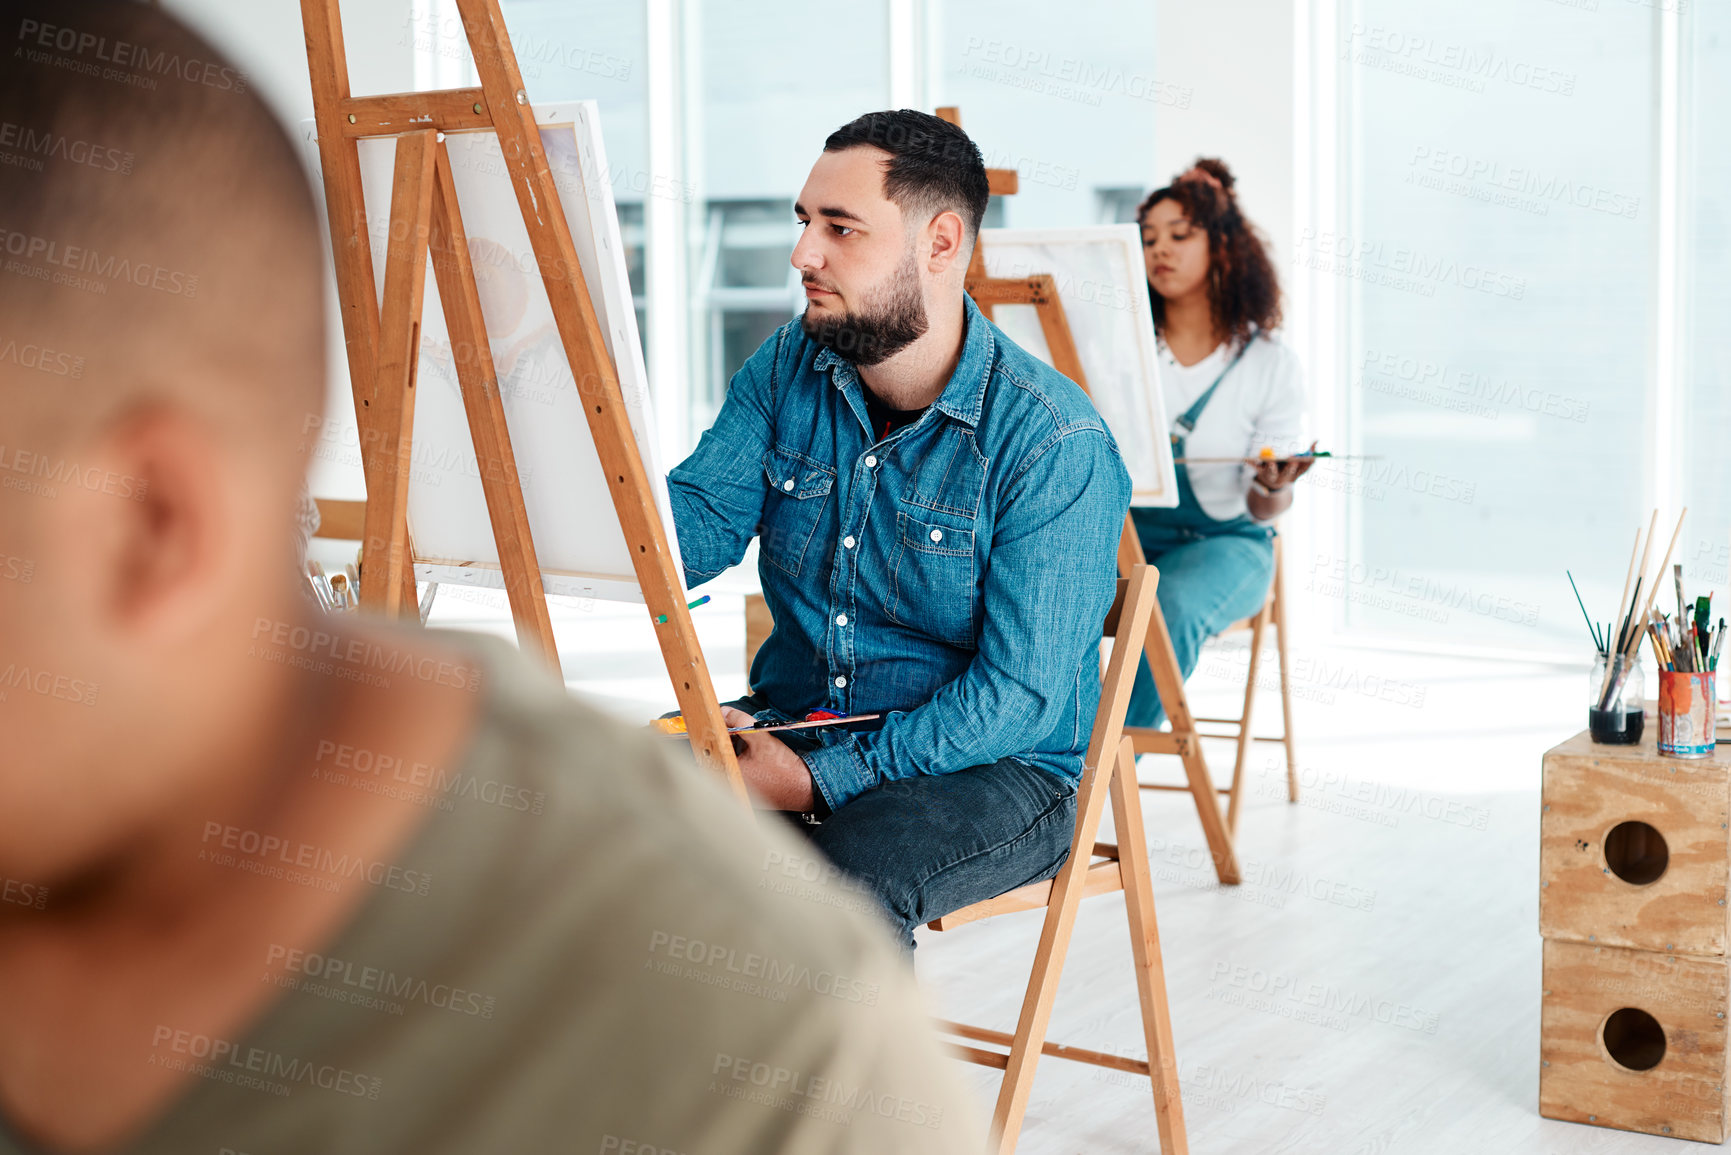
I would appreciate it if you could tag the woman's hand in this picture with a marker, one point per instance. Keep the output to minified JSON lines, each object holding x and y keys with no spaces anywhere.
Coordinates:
{"x":1275,"y":481}
{"x":1275,"y":476}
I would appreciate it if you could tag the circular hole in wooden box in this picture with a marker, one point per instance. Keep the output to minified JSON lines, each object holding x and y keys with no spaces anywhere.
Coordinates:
{"x":1636,"y":853}
{"x":1633,"y":1038}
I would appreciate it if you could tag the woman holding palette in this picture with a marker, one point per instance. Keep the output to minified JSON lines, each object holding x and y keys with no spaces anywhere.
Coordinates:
{"x":1235,"y":392}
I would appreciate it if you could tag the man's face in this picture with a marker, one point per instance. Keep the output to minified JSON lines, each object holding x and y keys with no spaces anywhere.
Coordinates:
{"x":863,"y":288}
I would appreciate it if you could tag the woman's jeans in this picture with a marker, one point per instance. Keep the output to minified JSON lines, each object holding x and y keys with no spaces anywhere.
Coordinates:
{"x":1207,"y":582}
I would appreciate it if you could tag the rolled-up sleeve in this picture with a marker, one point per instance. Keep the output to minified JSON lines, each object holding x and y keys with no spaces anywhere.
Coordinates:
{"x":717,"y":493}
{"x":1050,"y":579}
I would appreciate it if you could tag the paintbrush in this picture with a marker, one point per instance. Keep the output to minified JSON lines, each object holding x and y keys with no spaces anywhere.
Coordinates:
{"x":675,"y":727}
{"x":1591,"y":628}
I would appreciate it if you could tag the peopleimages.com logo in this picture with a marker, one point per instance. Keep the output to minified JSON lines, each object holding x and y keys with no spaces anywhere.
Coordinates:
{"x":87,"y":53}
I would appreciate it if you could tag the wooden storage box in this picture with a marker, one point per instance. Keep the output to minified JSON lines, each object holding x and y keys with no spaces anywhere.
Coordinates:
{"x":1634,"y":1040}
{"x":1634,"y":849}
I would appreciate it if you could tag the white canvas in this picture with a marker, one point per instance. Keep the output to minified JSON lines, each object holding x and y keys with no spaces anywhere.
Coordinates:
{"x":578,"y":541}
{"x":1104,"y":290}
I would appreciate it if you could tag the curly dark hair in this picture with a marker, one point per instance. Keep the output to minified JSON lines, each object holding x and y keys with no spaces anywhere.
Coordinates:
{"x":1242,"y":286}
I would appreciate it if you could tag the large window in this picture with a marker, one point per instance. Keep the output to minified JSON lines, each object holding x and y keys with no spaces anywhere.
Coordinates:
{"x":591,"y":50}
{"x":1070,"y":104}
{"x":1495,"y":251}
{"x":1704,"y":367}
{"x":771,"y":82}
{"x":747,"y":92}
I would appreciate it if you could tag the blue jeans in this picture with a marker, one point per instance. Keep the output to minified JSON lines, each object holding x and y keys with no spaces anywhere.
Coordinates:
{"x":929,"y":844}
{"x":934,"y":843}
{"x":1206,"y":584}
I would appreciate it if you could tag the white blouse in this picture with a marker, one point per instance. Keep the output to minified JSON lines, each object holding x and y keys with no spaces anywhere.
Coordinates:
{"x":1260,"y":403}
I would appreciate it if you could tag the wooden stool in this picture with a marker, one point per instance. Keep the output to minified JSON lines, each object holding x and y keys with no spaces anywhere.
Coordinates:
{"x":759,"y":624}
{"x":1093,"y":868}
{"x":1634,"y":874}
{"x":1272,"y":614}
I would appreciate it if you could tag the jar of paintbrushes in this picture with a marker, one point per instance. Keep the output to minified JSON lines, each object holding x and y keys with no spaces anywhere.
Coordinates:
{"x":1614,"y":696}
{"x":1616,"y":689}
{"x":1686,"y":648}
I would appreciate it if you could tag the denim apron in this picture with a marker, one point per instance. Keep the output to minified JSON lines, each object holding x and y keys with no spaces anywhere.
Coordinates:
{"x":1162,"y":529}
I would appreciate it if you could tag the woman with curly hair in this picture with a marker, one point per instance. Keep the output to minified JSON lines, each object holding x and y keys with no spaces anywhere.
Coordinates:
{"x":1233,"y":389}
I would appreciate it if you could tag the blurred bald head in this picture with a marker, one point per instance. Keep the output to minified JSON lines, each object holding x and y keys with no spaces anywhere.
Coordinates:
{"x":161,"y":345}
{"x":156,"y":226}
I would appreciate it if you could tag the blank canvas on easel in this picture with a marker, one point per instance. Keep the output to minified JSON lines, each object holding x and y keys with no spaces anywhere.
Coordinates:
{"x":1101,"y":282}
{"x":581,"y":548}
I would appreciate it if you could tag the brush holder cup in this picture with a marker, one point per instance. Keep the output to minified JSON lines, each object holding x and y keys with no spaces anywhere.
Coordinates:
{"x":1686,"y":713}
{"x":1614,"y":715}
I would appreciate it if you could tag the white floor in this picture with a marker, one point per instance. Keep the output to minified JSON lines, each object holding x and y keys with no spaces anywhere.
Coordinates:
{"x":1372,"y":988}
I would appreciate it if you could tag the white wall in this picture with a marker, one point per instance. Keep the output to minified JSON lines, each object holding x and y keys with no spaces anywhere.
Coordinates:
{"x":1240,"y":57}
{"x":265,"y":39}
{"x":1237,"y":57}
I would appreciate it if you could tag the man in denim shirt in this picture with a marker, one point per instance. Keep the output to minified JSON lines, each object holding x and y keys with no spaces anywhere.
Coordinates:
{"x":938,"y":514}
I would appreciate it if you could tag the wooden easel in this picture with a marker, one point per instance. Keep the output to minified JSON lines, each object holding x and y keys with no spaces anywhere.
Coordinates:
{"x":1183,"y":740}
{"x":384,"y":342}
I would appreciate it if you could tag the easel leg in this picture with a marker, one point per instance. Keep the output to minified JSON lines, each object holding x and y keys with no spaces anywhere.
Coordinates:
{"x":1145,"y":947}
{"x":598,"y":383}
{"x":385,"y":558}
{"x":479,"y":382}
{"x":1163,"y":664}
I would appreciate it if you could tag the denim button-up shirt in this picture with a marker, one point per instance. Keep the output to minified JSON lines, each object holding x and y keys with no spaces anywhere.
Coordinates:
{"x":953,"y":575}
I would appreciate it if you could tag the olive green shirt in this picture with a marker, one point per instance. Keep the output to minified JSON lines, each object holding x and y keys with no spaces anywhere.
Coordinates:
{"x":588,"y":947}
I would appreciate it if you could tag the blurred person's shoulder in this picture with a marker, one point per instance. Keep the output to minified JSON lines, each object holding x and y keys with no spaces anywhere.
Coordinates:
{"x":601,"y":948}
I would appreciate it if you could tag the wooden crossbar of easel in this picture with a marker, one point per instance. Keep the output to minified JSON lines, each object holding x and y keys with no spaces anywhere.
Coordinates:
{"x":1041,"y":292}
{"x":383,"y":342}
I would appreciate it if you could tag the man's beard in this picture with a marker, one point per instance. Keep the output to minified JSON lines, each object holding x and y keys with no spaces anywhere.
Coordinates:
{"x":890,"y":319}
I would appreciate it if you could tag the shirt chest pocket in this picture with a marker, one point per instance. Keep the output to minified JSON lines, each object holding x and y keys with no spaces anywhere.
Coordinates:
{"x":933,"y":584}
{"x":799,"y":490}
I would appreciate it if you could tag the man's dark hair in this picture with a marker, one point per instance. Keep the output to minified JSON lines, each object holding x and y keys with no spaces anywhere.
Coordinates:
{"x":933,"y":166}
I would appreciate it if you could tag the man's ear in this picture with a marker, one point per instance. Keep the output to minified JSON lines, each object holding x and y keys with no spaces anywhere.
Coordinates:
{"x":144,"y":515}
{"x":947,"y":242}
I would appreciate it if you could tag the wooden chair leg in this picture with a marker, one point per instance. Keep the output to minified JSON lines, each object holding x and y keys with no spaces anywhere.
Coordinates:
{"x":1285,"y":677}
{"x":1236,"y":794}
{"x":1055,"y":932}
{"x":1145,"y":946}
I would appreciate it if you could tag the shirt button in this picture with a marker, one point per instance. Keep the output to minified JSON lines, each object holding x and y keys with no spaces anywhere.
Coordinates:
{"x":937,"y":535}
{"x":788,"y":485}
{"x":848,"y":541}
{"x":840,"y":682}
{"x":841,"y":619}
{"x":871,"y":462}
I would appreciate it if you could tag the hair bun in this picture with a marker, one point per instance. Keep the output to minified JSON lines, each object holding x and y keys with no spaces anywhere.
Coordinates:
{"x":1211,"y":170}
